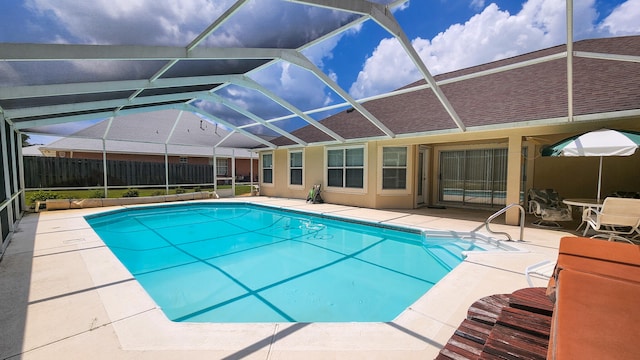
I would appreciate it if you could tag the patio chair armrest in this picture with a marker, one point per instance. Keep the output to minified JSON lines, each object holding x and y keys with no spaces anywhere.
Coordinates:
{"x":590,"y":213}
{"x":534,"y":207}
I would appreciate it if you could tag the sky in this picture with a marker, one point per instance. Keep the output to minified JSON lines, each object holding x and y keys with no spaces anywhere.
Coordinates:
{"x":365,"y":61}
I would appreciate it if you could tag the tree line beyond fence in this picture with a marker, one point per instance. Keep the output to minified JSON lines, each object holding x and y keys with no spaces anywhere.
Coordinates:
{"x":49,"y":172}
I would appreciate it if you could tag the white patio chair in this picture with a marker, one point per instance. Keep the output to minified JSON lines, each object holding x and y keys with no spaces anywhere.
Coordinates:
{"x":542,"y":270}
{"x":547,"y":205}
{"x":618,"y":219}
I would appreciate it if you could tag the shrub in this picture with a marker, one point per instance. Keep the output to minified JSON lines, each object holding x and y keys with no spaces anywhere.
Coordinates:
{"x":180,"y":191}
{"x":97,"y":194}
{"x":157,"y":193}
{"x":131,"y":193}
{"x":197,"y":189}
{"x":43,"y":195}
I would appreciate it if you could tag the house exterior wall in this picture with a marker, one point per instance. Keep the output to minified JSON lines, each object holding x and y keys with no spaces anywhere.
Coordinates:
{"x":353,"y":197}
{"x":577,"y":177}
{"x":130,"y":157}
{"x":571,"y":177}
{"x":243,"y":168}
{"x":371,"y":196}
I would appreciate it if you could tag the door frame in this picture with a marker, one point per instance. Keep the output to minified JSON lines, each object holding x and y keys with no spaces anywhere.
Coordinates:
{"x":422,"y":176}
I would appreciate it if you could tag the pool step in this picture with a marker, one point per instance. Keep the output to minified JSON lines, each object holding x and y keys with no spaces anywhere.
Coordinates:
{"x":449,"y":256}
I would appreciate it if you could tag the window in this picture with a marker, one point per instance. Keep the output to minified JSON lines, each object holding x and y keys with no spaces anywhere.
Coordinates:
{"x":222,"y":167}
{"x":295,"y":168}
{"x":345,"y":167}
{"x":267,"y":168}
{"x":184,"y":160}
{"x":394,"y":168}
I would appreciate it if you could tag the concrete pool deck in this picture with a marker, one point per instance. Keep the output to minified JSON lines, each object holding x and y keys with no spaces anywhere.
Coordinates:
{"x":65,"y":295}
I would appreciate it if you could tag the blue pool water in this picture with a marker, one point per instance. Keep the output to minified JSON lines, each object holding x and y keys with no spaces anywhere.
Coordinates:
{"x":248,"y":263}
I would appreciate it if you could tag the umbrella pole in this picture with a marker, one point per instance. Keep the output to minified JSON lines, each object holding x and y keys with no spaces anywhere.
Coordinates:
{"x":599,"y":178}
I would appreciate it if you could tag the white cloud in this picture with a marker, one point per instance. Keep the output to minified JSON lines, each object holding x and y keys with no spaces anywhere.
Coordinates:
{"x":296,"y":85}
{"x":386,"y":65}
{"x":477,"y":4}
{"x":403,"y":6}
{"x":131,"y":22}
{"x":323,"y":50}
{"x":270,"y":23}
{"x":624,"y":19}
{"x":487,"y":36}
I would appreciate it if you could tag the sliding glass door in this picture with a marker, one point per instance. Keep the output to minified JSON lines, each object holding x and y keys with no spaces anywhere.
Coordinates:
{"x":476,"y":176}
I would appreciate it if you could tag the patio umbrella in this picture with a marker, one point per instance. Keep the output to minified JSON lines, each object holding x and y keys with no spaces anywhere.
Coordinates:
{"x":603,"y":142}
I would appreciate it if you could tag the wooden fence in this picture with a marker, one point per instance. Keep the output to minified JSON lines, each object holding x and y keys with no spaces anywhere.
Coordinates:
{"x":48,"y":172}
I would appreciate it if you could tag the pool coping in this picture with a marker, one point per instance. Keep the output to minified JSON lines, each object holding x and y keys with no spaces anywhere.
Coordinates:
{"x":133,"y":323}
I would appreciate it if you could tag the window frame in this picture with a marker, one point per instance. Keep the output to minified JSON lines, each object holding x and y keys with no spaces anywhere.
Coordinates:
{"x":290,"y":168}
{"x":344,"y":167}
{"x":263,"y":168}
{"x":405,"y":167}
{"x":226,"y":166}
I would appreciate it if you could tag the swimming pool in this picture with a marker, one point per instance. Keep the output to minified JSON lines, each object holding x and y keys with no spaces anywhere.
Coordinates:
{"x":205,"y":262}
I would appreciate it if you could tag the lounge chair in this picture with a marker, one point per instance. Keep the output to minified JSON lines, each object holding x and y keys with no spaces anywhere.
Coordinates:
{"x":542,"y":270}
{"x":547,"y":205}
{"x":596,"y":291}
{"x":618,"y":218}
{"x":314,"y":195}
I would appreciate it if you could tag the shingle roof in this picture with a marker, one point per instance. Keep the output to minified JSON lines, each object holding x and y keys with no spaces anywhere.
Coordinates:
{"x":146,"y":133}
{"x":534,"y":92}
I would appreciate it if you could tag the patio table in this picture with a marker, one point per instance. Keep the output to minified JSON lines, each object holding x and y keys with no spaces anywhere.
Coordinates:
{"x":584,"y":204}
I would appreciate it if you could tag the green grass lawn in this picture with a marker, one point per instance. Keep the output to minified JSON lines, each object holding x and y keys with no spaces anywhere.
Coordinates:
{"x":117,"y":193}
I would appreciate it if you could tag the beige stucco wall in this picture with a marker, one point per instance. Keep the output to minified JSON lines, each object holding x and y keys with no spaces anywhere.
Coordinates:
{"x":572,"y":177}
{"x":577,"y":177}
{"x":371,"y":196}
{"x":314,"y":165}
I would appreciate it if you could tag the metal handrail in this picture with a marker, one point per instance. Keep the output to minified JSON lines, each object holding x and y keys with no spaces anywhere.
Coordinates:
{"x":500,"y":212}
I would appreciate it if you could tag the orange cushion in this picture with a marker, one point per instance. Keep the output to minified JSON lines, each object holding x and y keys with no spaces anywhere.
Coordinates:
{"x":607,"y":258}
{"x":595,"y":317}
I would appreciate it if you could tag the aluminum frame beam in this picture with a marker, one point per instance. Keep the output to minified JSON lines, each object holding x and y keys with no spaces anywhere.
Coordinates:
{"x":601,"y":56}
{"x":74,"y":52}
{"x":383,"y":16}
{"x":233,"y":106}
{"x":33,"y":91}
{"x":62,"y":119}
{"x":190,"y":107}
{"x":200,"y":38}
{"x":302,"y":61}
{"x":251,"y":84}
{"x":104,"y":104}
{"x":367,"y":10}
